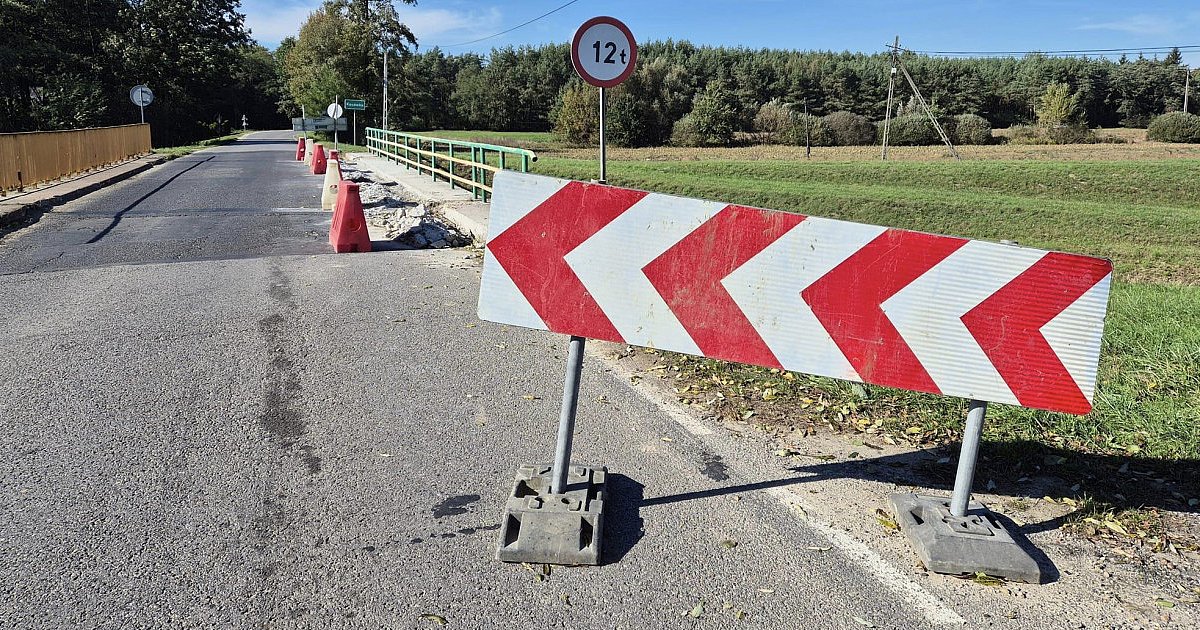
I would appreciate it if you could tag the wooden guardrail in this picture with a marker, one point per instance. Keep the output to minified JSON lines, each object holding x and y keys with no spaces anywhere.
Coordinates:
{"x":468,"y":165}
{"x":29,"y":159}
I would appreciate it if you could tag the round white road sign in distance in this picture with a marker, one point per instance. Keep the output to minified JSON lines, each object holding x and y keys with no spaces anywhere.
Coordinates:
{"x":604,"y":52}
{"x":334,"y":110}
{"x":141,"y":95}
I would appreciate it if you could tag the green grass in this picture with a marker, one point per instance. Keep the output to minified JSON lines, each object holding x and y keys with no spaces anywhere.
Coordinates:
{"x":544,"y":137}
{"x":532,"y":140}
{"x":1145,"y":215}
{"x":182,"y":150}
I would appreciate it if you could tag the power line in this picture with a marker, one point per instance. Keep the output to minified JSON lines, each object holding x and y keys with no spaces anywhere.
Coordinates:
{"x":523,"y":24}
{"x":1052,"y":53}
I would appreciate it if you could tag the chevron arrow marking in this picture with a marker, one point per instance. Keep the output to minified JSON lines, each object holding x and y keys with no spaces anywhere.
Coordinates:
{"x":848,"y":300}
{"x":1008,"y":326}
{"x":534,"y":248}
{"x":689,"y":276}
{"x":885,"y":306}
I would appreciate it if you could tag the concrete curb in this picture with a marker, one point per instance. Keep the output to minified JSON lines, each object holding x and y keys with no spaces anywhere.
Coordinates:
{"x":472,"y":226}
{"x":39,"y":201}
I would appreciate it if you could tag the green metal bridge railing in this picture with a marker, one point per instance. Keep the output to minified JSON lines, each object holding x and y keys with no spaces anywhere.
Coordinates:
{"x":469,"y":165}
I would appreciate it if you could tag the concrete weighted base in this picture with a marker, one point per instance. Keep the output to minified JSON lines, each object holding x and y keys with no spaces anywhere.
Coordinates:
{"x":974,"y":543}
{"x":553,"y":528}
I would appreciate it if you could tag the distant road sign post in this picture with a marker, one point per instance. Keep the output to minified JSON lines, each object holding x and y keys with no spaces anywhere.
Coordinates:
{"x":141,"y":95}
{"x":354,"y":105}
{"x":334,"y":111}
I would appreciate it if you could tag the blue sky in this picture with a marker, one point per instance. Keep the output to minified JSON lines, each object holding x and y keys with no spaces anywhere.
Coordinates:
{"x":792,"y":24}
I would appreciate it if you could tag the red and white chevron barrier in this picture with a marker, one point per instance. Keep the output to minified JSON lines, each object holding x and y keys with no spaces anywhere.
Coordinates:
{"x":858,"y":302}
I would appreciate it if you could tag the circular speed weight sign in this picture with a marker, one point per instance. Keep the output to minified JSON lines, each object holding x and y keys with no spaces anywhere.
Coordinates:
{"x":604,"y":52}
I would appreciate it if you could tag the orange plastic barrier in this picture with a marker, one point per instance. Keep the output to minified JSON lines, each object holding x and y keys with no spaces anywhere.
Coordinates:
{"x":348,"y":231}
{"x":300,"y":150}
{"x":318,"y":163}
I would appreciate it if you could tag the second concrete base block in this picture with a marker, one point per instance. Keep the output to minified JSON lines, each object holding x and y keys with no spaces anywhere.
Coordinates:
{"x":974,"y":543}
{"x":540,"y":527}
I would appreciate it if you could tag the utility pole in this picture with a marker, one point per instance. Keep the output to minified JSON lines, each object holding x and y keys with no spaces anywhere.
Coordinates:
{"x":386,"y":53}
{"x":807,"y":140}
{"x":1187,"y":86}
{"x":887,"y":115}
{"x":925,"y":106}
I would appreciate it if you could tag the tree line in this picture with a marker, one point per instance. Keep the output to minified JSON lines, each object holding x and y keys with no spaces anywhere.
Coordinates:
{"x":71,"y":63}
{"x":525,"y":88}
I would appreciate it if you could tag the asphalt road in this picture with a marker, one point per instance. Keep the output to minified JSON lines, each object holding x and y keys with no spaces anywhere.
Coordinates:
{"x":207,"y":420}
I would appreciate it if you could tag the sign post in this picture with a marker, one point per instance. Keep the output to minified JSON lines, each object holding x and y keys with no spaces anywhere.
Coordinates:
{"x":604,"y":54}
{"x":323,"y":123}
{"x":335,"y":112}
{"x":355,"y":105}
{"x":141,"y":96}
{"x":561,"y":522}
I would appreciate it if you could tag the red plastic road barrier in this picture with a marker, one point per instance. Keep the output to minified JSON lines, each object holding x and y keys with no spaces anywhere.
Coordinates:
{"x":348,"y":231}
{"x":300,"y":150}
{"x":336,"y":158}
{"x":318,"y":165}
{"x":937,"y":314}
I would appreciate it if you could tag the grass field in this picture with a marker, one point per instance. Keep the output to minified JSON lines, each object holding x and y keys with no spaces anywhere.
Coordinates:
{"x":1136,"y":203}
{"x":520,"y":139}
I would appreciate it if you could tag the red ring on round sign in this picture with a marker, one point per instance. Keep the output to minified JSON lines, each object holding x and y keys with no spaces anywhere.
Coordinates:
{"x":619,"y":79}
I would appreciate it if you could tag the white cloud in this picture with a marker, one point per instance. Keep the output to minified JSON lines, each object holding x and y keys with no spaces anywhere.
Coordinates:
{"x":272,"y":20}
{"x":443,"y":27}
{"x":1142,"y":24}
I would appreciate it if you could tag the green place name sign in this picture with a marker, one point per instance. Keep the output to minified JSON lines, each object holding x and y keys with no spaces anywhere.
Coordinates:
{"x":355,"y":104}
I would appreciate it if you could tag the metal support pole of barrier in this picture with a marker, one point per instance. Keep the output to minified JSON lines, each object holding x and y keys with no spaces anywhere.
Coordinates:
{"x":603,"y":147}
{"x":967,"y":457}
{"x":566,"y":418}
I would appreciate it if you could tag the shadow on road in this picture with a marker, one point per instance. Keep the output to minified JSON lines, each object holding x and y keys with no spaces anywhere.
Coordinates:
{"x":623,"y":526}
{"x":117,"y":217}
{"x":1018,"y":469}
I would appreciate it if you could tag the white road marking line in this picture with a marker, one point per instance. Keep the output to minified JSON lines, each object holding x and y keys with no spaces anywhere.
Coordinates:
{"x":892,"y":579}
{"x":858,"y":552}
